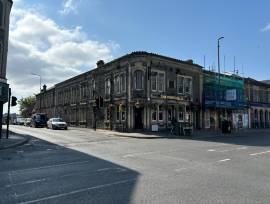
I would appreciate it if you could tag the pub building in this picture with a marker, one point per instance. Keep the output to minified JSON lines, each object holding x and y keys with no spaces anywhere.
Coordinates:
{"x":139,"y":90}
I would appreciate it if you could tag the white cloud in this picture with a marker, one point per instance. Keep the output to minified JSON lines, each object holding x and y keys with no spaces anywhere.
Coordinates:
{"x":266,"y":28}
{"x":39,"y":45}
{"x":69,"y":6}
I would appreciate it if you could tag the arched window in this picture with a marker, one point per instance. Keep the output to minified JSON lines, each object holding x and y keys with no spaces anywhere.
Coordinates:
{"x":138,"y":79}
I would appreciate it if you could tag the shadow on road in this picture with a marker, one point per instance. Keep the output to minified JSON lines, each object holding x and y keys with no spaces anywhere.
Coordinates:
{"x":43,"y":172}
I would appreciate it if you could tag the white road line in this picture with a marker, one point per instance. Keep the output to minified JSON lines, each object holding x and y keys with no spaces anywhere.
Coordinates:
{"x":49,"y":166}
{"x":259,"y":153}
{"x":26,"y":182}
{"x":79,"y":191}
{"x":224,"y":160}
{"x":211,"y":150}
{"x":139,"y":153}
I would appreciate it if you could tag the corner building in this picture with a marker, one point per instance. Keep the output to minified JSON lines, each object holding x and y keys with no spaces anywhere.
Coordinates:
{"x":137,"y":91}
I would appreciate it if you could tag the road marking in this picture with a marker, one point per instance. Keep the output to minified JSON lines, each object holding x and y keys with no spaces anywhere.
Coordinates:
{"x":259,"y":153}
{"x":139,"y":153}
{"x":49,"y":166}
{"x":242,"y":148}
{"x":79,"y":191}
{"x":224,"y":160}
{"x":26,"y":182}
{"x":211,"y":150}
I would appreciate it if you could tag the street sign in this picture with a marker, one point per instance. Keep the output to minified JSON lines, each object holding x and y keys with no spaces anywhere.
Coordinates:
{"x":4,"y":92}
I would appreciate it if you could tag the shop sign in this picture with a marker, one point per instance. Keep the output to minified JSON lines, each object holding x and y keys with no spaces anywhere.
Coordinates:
{"x":231,"y":95}
{"x":179,"y":98}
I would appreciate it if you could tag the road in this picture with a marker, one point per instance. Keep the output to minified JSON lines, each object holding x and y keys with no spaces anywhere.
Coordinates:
{"x":83,"y":166}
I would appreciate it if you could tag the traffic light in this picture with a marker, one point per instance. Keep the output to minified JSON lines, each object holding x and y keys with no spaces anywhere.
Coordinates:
{"x":13,"y":101}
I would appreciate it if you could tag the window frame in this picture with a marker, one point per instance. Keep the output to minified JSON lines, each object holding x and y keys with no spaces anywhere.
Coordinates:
{"x":135,"y":79}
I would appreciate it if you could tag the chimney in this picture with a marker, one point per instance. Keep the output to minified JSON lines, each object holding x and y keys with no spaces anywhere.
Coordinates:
{"x":190,"y":61}
{"x":44,"y":88}
{"x":100,"y":63}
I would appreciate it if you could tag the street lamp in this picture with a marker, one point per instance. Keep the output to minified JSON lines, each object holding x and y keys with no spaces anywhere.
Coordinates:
{"x":219,"y":109}
{"x":39,"y":89}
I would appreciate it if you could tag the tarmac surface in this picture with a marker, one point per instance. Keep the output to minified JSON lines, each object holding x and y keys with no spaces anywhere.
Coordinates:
{"x":83,"y":166}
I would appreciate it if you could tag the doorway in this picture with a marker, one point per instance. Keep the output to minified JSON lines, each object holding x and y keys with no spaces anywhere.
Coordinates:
{"x":138,"y":118}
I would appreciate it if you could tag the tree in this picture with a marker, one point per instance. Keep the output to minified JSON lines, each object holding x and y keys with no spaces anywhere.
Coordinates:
{"x":27,"y":105}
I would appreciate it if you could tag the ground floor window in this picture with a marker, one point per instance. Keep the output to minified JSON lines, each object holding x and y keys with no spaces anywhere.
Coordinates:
{"x":170,"y":113}
{"x":207,"y":119}
{"x":123,"y":113}
{"x":117,"y":113}
{"x":154,"y":114}
{"x":160,"y":113}
{"x":181,"y":112}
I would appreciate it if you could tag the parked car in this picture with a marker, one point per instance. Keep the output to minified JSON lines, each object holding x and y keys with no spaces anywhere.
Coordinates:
{"x":39,"y":120}
{"x":56,"y":123}
{"x":27,"y":122}
{"x":19,"y":121}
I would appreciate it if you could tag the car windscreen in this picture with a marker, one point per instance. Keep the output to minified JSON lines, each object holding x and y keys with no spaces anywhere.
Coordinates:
{"x":57,"y":120}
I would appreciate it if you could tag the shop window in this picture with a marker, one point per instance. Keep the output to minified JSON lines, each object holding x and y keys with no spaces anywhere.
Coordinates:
{"x":161,"y":80}
{"x":181,"y":112}
{"x":170,"y":113}
{"x":138,"y":80}
{"x":154,"y":114}
{"x":117,"y":113}
{"x":123,"y":113}
{"x":160,"y":113}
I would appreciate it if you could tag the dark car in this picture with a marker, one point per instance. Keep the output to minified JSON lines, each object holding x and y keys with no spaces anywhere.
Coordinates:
{"x":39,"y":120}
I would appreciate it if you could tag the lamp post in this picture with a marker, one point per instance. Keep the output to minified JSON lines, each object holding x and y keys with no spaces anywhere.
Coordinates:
{"x":39,"y":89}
{"x":219,"y":109}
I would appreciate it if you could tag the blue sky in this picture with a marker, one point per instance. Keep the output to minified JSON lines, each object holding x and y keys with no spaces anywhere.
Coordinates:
{"x":60,"y":39}
{"x":182,"y":29}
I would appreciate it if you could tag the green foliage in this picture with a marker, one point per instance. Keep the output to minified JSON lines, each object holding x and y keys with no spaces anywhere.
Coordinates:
{"x":27,"y":105}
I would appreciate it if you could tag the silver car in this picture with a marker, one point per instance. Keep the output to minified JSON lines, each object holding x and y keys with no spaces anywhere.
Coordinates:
{"x":56,"y":123}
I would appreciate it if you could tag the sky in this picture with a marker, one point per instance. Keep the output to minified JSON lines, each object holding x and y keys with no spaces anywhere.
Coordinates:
{"x":58,"y":39}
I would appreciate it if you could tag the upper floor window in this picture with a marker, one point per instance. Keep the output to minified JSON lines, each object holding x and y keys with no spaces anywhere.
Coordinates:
{"x":117,"y":84}
{"x":188,"y":85}
{"x":138,"y":79}
{"x":180,"y":84}
{"x":157,"y":81}
{"x":154,"y":81}
{"x":184,"y":84}
{"x":123,"y":82}
{"x":107,"y":86}
{"x":161,"y":79}
{"x":171,"y":84}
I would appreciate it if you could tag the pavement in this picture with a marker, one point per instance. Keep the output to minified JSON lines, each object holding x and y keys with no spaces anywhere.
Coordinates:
{"x":14,"y":140}
{"x":83,"y":166}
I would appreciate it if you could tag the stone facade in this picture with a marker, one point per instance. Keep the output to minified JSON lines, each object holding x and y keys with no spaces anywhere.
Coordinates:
{"x":137,"y":91}
{"x":258,"y":101}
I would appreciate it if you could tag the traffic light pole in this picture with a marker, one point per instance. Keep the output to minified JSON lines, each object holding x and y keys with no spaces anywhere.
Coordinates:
{"x":8,"y":115}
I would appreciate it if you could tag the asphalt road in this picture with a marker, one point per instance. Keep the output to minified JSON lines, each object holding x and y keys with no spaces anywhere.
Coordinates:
{"x":83,"y":166}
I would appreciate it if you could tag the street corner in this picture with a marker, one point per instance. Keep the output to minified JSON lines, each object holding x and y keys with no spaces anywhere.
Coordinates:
{"x":13,"y":141}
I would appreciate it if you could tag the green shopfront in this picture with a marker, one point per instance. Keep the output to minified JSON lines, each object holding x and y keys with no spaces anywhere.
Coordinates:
{"x":223,"y":99}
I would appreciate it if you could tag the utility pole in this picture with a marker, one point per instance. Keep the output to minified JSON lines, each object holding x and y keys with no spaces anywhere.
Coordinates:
{"x":8,"y":115}
{"x":219,"y":109}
